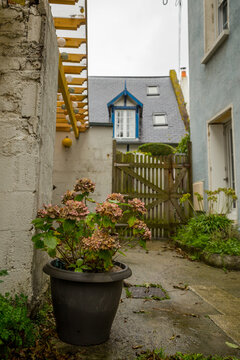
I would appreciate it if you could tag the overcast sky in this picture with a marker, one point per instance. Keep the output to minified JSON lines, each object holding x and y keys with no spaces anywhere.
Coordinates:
{"x":132,"y":37}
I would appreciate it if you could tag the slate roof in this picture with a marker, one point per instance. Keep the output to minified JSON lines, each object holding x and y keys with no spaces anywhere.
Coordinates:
{"x":103,"y":89}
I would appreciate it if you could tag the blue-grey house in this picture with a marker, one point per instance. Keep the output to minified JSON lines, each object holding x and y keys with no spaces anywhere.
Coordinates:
{"x":140,"y":109}
{"x":214,"y":74}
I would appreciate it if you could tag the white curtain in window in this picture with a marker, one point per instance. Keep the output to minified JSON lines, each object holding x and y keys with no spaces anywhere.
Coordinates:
{"x":125,"y":123}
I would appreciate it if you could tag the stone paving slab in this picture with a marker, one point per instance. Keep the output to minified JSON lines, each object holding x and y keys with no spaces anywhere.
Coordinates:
{"x":182,"y":323}
{"x":220,"y":299}
{"x":230,"y":324}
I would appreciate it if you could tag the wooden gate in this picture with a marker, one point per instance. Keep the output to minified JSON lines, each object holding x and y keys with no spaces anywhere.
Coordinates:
{"x":158,"y":181}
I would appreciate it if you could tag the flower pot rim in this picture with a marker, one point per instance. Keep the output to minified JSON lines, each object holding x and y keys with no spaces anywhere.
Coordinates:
{"x":106,"y":277}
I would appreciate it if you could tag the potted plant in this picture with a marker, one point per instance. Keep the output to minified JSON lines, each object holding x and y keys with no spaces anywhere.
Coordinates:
{"x":86,"y":282}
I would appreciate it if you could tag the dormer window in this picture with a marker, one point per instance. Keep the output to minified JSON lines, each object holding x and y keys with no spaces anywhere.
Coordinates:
{"x":153,"y":91}
{"x":125,"y":111}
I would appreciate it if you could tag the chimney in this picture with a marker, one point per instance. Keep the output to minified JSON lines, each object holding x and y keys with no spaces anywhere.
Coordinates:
{"x":183,"y":72}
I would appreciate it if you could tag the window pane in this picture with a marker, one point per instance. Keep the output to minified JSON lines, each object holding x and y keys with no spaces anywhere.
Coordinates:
{"x":125,"y":123}
{"x":152,"y":90}
{"x":159,"y":119}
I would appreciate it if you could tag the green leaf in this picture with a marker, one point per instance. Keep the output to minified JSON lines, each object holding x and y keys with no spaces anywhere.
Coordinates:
{"x":38,"y":221}
{"x":90,"y":200}
{"x":78,"y":270}
{"x":39,"y":244}
{"x":79,"y":262}
{"x":52,"y":253}
{"x":68,"y":226}
{"x":122,"y":253}
{"x":3,"y":272}
{"x":232,"y":345}
{"x":50,"y":241}
{"x":131,"y":221}
{"x":79,"y":197}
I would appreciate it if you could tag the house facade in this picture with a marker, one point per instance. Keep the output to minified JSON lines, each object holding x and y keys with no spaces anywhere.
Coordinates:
{"x":140,"y":109}
{"x":214,"y":44}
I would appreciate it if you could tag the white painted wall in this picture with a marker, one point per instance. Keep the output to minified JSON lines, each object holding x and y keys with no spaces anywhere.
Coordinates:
{"x":89,"y":156}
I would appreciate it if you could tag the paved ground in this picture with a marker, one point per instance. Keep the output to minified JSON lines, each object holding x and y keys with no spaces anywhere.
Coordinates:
{"x":200,"y":319}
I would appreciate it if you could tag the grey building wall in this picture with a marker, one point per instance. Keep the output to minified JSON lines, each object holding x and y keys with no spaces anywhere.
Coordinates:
{"x":28,"y":92}
{"x":213,"y":86}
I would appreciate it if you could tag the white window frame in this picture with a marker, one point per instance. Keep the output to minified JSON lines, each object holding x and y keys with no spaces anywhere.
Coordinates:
{"x":215,"y":32}
{"x":125,"y":124}
{"x":155,"y":115}
{"x":149,"y":93}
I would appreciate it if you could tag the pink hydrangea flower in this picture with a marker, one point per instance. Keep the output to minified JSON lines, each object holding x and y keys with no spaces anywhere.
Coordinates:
{"x":111,"y":210}
{"x":138,"y":206}
{"x":116,"y":196}
{"x":100,"y":240}
{"x":69,"y":195}
{"x":74,"y":210}
{"x":84,"y":185}
{"x":144,"y":230}
{"x":49,"y":211}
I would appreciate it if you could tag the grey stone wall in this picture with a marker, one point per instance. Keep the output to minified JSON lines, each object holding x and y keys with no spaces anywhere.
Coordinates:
{"x":28,"y":91}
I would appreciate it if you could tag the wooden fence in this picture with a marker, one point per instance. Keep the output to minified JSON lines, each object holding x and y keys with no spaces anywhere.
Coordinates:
{"x":158,"y":181}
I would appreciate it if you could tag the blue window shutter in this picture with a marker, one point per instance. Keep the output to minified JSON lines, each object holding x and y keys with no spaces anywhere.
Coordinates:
{"x":137,"y":122}
{"x":113,"y":120}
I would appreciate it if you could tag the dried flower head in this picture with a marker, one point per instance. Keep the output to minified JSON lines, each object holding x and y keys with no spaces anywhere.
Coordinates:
{"x":84,"y":185}
{"x":49,"y":211}
{"x":138,"y":206}
{"x":74,"y":210}
{"x":116,"y":196}
{"x":111,"y":210}
{"x":69,"y":195}
{"x":144,"y":230}
{"x":101,"y":240}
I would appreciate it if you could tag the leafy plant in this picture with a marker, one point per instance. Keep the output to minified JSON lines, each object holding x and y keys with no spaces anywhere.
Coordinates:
{"x":212,"y":231}
{"x":16,"y":329}
{"x":3,"y":273}
{"x":182,"y":147}
{"x":158,"y":354}
{"x":84,"y":241}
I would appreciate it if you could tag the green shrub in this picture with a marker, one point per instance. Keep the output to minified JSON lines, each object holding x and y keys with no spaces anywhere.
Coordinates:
{"x":16,"y":329}
{"x":156,"y":149}
{"x":182,"y":147}
{"x":213,"y":233}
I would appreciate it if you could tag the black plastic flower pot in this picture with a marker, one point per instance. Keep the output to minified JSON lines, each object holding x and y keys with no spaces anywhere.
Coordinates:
{"x":85,"y":304}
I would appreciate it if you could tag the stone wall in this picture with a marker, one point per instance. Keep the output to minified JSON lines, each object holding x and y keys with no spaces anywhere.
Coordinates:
{"x":28,"y":91}
{"x":89,"y":156}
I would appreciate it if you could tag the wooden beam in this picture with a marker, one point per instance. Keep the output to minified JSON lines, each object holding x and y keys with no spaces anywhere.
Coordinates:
{"x":81,"y":117}
{"x":80,"y":111}
{"x":74,"y":58}
{"x":180,"y":99}
{"x":66,"y":97}
{"x":68,"y":23}
{"x":78,"y":97}
{"x":62,"y":2}
{"x":73,"y":42}
{"x":77,"y":81}
{"x":78,"y":90}
{"x":80,"y":105}
{"x":70,"y":69}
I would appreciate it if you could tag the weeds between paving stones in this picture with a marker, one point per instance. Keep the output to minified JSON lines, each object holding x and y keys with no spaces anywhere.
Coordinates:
{"x":158,"y":354}
{"x":146,"y":291}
